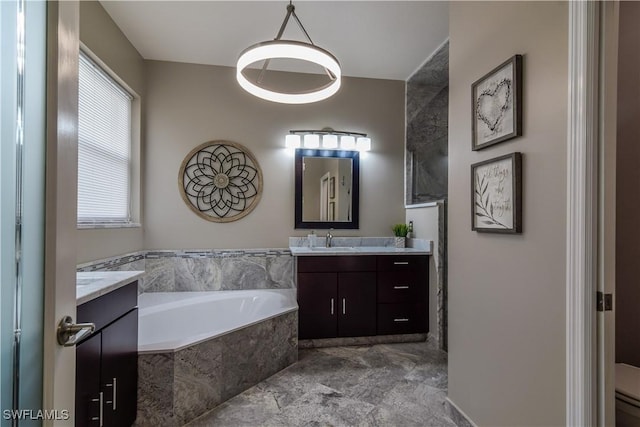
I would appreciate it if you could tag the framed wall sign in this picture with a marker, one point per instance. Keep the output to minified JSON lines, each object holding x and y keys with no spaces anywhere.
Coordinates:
{"x":497,"y":105}
{"x":496,"y":194}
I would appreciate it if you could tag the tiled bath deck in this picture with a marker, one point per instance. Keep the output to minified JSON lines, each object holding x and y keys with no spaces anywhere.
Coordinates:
{"x":381,"y":385}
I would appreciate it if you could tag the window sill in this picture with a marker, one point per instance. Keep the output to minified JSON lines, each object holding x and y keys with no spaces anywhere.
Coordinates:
{"x":100,"y":225}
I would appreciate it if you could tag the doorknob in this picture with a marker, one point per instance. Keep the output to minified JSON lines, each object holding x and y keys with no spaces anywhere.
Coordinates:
{"x":70,"y":333}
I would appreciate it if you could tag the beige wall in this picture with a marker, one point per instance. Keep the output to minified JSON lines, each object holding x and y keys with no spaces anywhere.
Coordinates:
{"x":104,"y":39}
{"x":506,"y":292}
{"x":191,"y":104}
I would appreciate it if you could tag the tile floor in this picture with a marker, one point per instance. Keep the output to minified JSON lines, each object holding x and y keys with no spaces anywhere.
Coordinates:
{"x":379,"y":385}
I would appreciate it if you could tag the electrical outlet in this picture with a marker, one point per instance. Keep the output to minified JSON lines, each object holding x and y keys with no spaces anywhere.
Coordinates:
{"x":410,"y":226}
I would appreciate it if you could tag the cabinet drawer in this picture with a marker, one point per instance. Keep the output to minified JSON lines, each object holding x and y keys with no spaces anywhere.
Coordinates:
{"x":402,"y":318}
{"x":311,"y":264}
{"x":401,"y":286}
{"x":107,"y":308}
{"x":402,"y":262}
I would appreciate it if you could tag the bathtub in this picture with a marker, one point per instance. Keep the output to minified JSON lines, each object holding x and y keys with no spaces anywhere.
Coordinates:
{"x":198,"y":349}
{"x":172,"y":321}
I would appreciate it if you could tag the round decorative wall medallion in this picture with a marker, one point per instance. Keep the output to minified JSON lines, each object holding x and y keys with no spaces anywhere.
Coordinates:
{"x":221,"y":181}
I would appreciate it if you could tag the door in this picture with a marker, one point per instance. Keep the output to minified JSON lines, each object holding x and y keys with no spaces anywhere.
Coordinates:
{"x":317,"y":294}
{"x":120,"y":370}
{"x":607,"y":220}
{"x":88,"y":404}
{"x":324,"y":197}
{"x":61,"y":202}
{"x":357,"y":300}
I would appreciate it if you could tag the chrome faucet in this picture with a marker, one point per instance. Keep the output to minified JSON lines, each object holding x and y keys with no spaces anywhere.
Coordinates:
{"x":329,"y":238}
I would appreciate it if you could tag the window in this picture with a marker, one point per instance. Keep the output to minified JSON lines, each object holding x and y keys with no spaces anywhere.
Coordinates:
{"x":104,"y":147}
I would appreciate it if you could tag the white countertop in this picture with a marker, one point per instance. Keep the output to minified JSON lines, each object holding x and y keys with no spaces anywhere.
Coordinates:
{"x":92,"y":284}
{"x":356,"y":250}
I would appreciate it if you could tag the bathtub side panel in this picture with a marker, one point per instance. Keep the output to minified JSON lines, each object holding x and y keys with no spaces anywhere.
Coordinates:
{"x":209,"y":373}
{"x":155,"y":390}
{"x":255,"y":353}
{"x":199,"y":374}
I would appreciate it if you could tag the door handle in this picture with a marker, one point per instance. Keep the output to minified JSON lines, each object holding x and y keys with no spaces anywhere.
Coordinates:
{"x":401,"y":287}
{"x":101,"y":402}
{"x":344,"y":306}
{"x":70,"y":333}
{"x":114,"y":394}
{"x":332,"y":306}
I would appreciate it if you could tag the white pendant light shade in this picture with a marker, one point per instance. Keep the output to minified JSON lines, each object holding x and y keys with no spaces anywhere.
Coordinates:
{"x":330,"y":141}
{"x":289,"y":49}
{"x":311,"y":141}
{"x":292,"y":141}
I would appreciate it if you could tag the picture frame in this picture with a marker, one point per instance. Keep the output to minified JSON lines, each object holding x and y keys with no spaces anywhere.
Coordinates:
{"x":496,"y":195}
{"x":496,"y":104}
{"x":332,"y":187}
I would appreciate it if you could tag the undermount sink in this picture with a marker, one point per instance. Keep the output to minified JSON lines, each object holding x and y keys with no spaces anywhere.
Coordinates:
{"x":332,"y":249}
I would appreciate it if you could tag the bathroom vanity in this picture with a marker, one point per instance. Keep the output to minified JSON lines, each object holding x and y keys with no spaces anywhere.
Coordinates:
{"x":364,"y":291}
{"x":107,"y":361}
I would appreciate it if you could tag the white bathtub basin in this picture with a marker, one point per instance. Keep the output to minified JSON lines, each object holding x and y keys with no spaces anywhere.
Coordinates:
{"x":171,"y":321}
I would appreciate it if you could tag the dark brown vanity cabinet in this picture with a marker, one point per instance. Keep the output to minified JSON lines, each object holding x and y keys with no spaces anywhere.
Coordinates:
{"x":403,"y":294}
{"x":337,"y":296}
{"x":107,"y":361}
{"x":349,"y":296}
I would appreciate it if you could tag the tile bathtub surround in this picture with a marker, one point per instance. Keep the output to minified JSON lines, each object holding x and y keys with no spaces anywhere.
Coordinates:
{"x":175,"y":388}
{"x":117,"y":263}
{"x":380,"y":385}
{"x":205,"y":270}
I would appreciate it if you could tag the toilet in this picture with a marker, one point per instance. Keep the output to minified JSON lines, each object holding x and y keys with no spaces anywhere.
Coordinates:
{"x":627,"y":395}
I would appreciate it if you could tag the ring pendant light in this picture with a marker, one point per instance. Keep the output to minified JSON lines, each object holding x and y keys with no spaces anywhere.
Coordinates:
{"x":289,"y":49}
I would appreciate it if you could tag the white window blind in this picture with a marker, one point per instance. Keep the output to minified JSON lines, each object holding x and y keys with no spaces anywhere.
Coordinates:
{"x":104,"y":147}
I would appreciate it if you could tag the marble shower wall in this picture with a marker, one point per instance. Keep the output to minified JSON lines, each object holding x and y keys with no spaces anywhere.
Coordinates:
{"x":175,"y":388}
{"x":211,"y":270}
{"x":427,"y":113}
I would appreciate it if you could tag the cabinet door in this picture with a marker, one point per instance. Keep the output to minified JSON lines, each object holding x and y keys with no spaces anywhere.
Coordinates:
{"x":317,"y":299}
{"x":88,"y":382}
{"x":357,"y":304}
{"x":120,"y":370}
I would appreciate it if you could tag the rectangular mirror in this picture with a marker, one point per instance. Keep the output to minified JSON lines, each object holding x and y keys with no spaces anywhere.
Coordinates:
{"x":327,"y":189}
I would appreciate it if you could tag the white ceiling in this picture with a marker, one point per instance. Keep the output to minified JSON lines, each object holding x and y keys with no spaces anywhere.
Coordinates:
{"x":375,"y":39}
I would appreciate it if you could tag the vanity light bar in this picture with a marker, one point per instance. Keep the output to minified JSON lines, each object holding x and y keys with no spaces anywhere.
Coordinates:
{"x":328,"y":139}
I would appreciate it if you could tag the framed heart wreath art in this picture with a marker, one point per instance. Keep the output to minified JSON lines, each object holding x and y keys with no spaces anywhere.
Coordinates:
{"x":497,"y":104}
